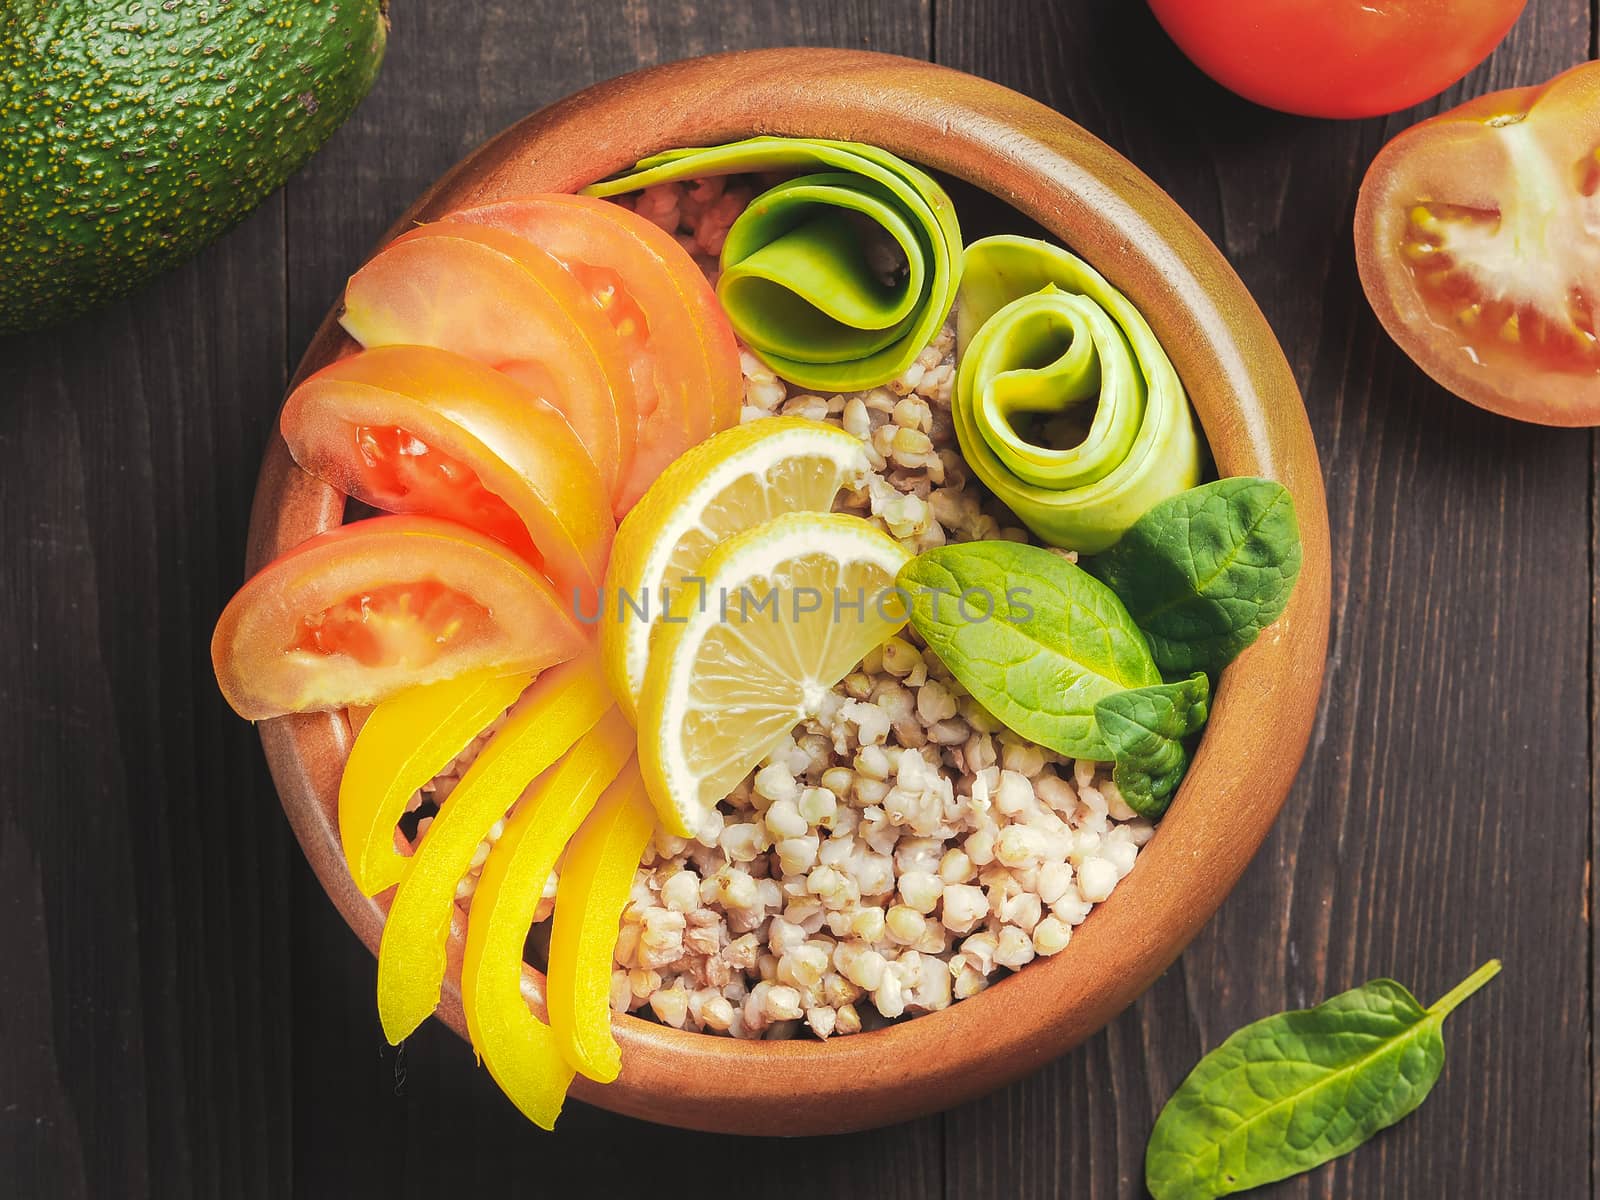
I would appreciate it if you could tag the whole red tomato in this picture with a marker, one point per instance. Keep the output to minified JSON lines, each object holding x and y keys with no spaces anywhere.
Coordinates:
{"x":1337,"y":58}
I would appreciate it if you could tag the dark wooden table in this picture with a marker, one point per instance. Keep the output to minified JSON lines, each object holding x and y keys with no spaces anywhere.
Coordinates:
{"x":182,"y":1013}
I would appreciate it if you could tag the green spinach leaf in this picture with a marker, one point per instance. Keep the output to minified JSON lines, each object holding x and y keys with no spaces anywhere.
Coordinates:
{"x":1037,"y":640}
{"x":1204,"y":572}
{"x":1293,"y":1091}
{"x":1145,"y":728}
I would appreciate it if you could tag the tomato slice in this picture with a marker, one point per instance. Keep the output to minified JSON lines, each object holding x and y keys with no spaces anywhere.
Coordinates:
{"x":369,"y":608}
{"x":499,"y":299}
{"x":683,"y":355}
{"x":1478,"y":239}
{"x":415,"y":429}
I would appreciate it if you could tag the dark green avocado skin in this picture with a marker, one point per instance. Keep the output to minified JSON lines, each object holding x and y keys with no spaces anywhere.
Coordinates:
{"x":132,"y":132}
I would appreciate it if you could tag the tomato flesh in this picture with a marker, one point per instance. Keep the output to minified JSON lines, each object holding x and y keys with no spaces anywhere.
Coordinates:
{"x":631,"y":325}
{"x":406,"y":474}
{"x":1478,"y":239}
{"x":1444,"y":247}
{"x":1589,"y":175}
{"x":398,"y":624}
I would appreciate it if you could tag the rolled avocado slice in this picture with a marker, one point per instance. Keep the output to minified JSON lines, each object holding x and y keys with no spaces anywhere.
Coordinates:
{"x":797,"y":280}
{"x":134,"y":133}
{"x":1066,"y":406}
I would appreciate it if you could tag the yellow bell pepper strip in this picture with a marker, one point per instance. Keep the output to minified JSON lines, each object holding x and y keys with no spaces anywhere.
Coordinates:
{"x":521,"y":1051}
{"x":596,"y":877}
{"x":406,"y":741}
{"x":1041,"y":334}
{"x":797,"y":282}
{"x":561,"y":706}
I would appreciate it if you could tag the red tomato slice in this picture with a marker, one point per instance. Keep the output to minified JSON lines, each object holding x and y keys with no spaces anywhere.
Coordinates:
{"x":499,"y":299}
{"x":1478,"y":239}
{"x":367,"y":609}
{"x":414,"y":429}
{"x":685,"y":361}
{"x":1337,"y":58}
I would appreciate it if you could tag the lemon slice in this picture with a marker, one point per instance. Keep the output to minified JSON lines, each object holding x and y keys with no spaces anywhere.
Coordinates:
{"x":791,"y":607}
{"x":727,"y":484}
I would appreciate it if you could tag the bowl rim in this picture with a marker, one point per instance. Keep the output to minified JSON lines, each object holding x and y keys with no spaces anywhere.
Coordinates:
{"x":1097,"y":203}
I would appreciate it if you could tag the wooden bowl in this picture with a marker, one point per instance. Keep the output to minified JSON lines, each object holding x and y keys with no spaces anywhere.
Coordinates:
{"x":1097,"y":203}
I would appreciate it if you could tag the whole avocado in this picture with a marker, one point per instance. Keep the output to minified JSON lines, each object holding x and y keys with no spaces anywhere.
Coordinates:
{"x":133,"y":133}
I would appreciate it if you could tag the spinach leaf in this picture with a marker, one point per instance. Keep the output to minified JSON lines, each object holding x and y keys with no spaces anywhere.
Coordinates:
{"x":1205,"y":571}
{"x":1145,"y":728}
{"x":1293,"y":1091}
{"x":1037,"y":640}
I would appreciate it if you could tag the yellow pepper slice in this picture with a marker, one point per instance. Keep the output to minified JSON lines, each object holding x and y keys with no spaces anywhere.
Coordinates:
{"x":562,"y":705}
{"x":595,"y":881}
{"x":521,"y":1051}
{"x":406,"y":741}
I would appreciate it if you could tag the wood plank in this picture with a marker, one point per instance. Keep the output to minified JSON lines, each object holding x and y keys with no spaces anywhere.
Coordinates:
{"x":1439,"y":817}
{"x":1594,"y":716}
{"x":182,"y":1010}
{"x":424,"y":1118}
{"x":1594,"y":770}
{"x":146,"y":989}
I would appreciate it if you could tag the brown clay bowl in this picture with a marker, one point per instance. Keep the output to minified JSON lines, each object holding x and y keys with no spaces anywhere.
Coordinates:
{"x":1097,"y":203}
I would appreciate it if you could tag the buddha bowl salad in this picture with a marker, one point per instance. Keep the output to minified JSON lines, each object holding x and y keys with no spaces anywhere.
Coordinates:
{"x":787,"y":619}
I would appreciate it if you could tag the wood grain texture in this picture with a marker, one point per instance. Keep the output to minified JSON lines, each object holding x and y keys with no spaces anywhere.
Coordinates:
{"x":1446,"y":763}
{"x":1594,"y":747}
{"x":146,"y":994}
{"x":182,"y":1013}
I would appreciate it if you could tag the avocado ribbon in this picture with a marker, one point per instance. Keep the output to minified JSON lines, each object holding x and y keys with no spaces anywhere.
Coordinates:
{"x":798,"y":279}
{"x":1042,"y":338}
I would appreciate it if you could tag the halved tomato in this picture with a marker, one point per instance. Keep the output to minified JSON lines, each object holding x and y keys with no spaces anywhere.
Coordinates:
{"x":415,"y":429}
{"x":501,"y":300}
{"x":1478,"y":239}
{"x":685,"y":361}
{"x":359,"y":612}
